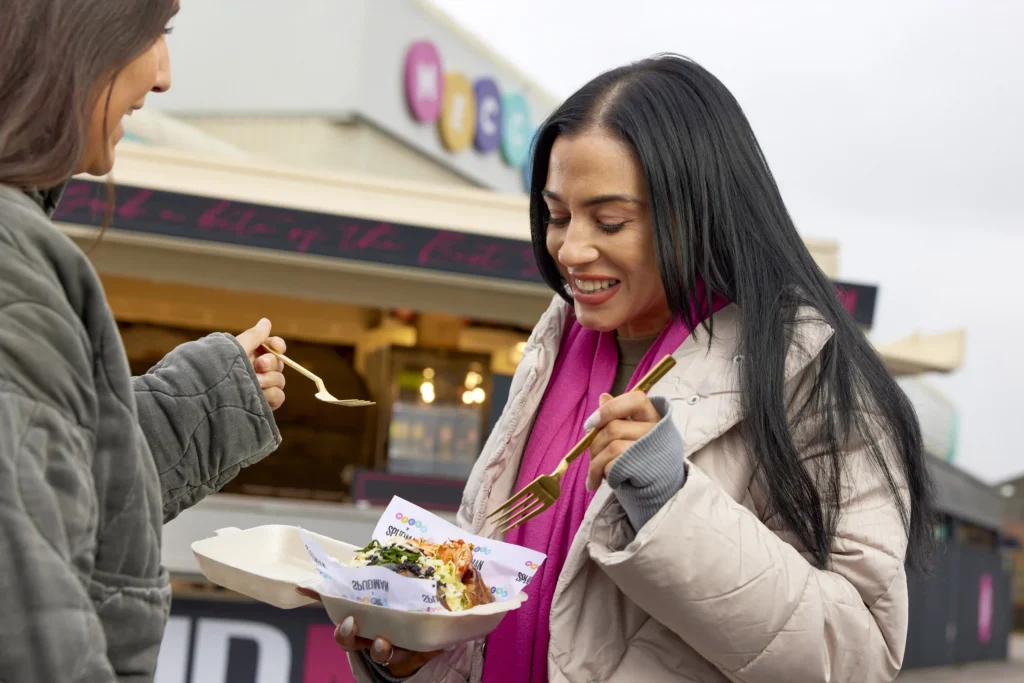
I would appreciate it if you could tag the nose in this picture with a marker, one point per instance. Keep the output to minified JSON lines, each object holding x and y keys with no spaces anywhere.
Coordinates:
{"x":163,"y":67}
{"x":576,"y":248}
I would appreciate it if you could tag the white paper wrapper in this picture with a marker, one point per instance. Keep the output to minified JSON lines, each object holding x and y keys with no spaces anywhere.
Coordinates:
{"x":506,"y":569}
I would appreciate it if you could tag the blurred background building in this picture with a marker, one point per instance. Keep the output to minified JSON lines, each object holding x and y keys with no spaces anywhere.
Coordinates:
{"x":366,"y":193}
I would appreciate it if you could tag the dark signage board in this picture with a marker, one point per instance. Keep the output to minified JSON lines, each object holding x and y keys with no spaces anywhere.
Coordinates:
{"x":221,"y":641}
{"x":173,"y":214}
{"x":432,"y":493}
{"x":188,"y":216}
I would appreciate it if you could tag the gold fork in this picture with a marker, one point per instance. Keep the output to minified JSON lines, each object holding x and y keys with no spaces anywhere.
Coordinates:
{"x":542,"y":492}
{"x":322,"y":392}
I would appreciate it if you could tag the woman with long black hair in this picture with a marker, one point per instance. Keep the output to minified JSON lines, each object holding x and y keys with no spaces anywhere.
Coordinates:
{"x":751,"y":519}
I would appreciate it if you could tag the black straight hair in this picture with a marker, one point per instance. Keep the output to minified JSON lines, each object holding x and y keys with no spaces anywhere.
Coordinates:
{"x":717,"y":215}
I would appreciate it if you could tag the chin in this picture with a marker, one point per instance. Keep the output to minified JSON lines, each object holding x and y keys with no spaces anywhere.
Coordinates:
{"x":599,"y":322}
{"x":101,"y":167}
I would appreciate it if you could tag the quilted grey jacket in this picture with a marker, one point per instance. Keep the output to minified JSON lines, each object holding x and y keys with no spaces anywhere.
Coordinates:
{"x":94,"y":461}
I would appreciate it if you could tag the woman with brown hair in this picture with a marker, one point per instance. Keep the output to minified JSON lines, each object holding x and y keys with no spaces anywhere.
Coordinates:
{"x":92,"y":460}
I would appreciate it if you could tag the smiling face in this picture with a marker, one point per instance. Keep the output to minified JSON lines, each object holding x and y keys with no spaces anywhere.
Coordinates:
{"x":600,"y":235}
{"x":148,"y":72}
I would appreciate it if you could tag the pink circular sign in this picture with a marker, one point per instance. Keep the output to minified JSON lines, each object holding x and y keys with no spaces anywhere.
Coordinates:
{"x":424,"y":81}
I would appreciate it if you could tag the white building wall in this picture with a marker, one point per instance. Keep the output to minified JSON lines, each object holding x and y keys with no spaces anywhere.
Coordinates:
{"x":318,"y":143}
{"x":337,"y":61}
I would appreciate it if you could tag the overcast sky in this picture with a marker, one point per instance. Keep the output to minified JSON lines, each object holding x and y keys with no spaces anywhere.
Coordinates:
{"x":896,"y":128}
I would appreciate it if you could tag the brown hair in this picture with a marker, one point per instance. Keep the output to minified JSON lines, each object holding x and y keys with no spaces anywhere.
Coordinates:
{"x":55,"y":59}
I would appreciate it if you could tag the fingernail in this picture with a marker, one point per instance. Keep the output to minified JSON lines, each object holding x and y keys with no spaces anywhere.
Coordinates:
{"x":592,"y":421}
{"x":378,"y":645}
{"x":450,"y":648}
{"x":589,"y":486}
{"x":347,"y":626}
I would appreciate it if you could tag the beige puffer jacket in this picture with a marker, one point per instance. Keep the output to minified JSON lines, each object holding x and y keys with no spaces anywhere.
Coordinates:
{"x":711,"y":589}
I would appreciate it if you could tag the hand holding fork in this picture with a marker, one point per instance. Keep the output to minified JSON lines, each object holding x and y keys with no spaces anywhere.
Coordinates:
{"x":617,"y":423}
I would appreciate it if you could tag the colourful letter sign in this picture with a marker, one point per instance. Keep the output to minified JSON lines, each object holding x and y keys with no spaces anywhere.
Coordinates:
{"x":423,"y":81}
{"x":515,"y":129}
{"x":488,"y":115}
{"x":467,"y":113}
{"x":458,"y":113}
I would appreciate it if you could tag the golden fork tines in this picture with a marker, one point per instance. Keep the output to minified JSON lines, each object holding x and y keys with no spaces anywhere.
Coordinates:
{"x":542,"y":492}
{"x":322,"y":392}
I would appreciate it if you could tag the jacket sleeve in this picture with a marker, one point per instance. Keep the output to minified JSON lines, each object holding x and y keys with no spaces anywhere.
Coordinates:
{"x":204,"y":417}
{"x":749,"y":602}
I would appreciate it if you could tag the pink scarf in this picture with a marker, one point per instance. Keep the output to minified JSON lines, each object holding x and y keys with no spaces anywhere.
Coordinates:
{"x":585,"y":368}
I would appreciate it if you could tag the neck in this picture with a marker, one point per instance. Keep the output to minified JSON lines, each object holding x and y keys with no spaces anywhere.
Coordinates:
{"x":648,"y":326}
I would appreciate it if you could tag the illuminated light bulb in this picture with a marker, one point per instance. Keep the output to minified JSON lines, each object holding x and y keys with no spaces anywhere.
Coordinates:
{"x":479,"y":395}
{"x":467,"y":397}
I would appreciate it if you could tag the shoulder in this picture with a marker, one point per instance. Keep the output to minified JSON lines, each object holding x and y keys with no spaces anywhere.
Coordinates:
{"x":45,"y":352}
{"x":713,"y":363}
{"x":31,"y":242}
{"x":808,"y":331}
{"x":27,"y":233}
{"x":549,"y":328}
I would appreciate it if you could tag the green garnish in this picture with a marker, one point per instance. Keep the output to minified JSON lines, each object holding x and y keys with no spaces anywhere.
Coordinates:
{"x":391,"y":555}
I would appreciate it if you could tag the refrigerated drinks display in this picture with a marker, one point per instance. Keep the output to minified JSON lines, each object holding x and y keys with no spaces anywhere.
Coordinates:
{"x":433,"y":409}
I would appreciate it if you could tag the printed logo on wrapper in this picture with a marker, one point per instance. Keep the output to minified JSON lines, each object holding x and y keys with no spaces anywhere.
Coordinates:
{"x":411,"y":521}
{"x":505,"y":568}
{"x":380,"y":602}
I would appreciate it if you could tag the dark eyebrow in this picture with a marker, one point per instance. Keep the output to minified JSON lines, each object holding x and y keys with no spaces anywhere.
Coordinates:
{"x":594,"y":201}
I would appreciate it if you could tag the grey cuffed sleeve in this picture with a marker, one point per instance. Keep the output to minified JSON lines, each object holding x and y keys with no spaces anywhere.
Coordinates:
{"x":205,"y":418}
{"x":651,"y":471}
